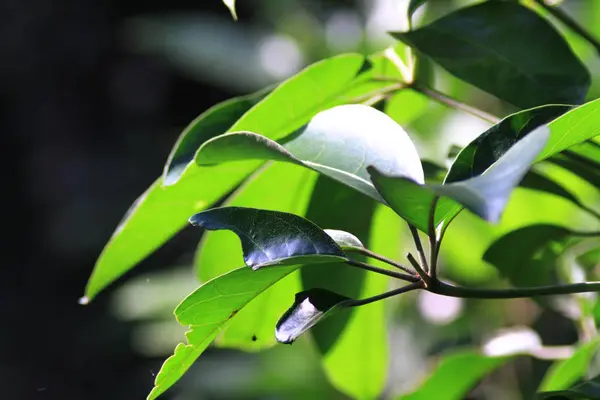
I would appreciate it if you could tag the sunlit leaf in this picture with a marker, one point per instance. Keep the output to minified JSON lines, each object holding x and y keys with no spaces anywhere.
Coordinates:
{"x":272,"y":237}
{"x":216,"y":255}
{"x":340,"y":143}
{"x":587,"y":390}
{"x":565,"y":373}
{"x":505,"y":49}
{"x":455,"y":375}
{"x":310,"y":307}
{"x":406,"y":105}
{"x":213,"y":122}
{"x":207,"y":310}
{"x":485,"y":195}
{"x":163,"y":211}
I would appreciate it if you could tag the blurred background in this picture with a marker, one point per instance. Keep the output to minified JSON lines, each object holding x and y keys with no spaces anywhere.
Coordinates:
{"x":94,"y":95}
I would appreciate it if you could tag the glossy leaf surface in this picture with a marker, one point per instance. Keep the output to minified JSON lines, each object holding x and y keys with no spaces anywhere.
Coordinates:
{"x":485,"y":195}
{"x":217,"y":253}
{"x":340,"y":143}
{"x":272,"y":237}
{"x":310,"y":307}
{"x":507,"y":50}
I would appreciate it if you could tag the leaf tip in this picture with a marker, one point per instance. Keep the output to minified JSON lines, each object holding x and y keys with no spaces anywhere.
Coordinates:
{"x":84,"y":300}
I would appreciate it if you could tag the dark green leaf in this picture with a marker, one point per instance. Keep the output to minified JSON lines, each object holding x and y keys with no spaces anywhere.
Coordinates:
{"x":488,"y":147}
{"x":587,"y":169}
{"x":455,"y":375}
{"x":485,"y":195}
{"x":506,"y":49}
{"x":516,"y":254}
{"x":213,"y":122}
{"x":272,"y":237}
{"x":565,"y":373}
{"x":536,"y":181}
{"x":340,"y":143}
{"x":309,"y":308}
{"x":215,"y":257}
{"x":207,"y":310}
{"x":588,"y":390}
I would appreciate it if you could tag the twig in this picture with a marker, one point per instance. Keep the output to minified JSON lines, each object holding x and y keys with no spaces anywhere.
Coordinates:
{"x":449,"y":101}
{"x":371,"y":254}
{"x":422,"y":274}
{"x":395,"y":292}
{"x":512,"y":293}
{"x":415,"y":235}
{"x":433,"y":239}
{"x":382,"y":271}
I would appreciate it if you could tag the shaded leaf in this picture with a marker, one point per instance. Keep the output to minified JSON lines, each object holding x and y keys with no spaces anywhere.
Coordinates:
{"x":310,"y":307}
{"x":215,"y":257}
{"x":353,"y":342}
{"x":588,"y":390}
{"x":457,"y":373}
{"x":340,"y":143}
{"x":565,"y":373}
{"x":272,"y":237}
{"x":214,"y":121}
{"x":485,"y":195}
{"x":488,"y":147}
{"x":505,"y":49}
{"x":536,"y":181}
{"x":206,"y":311}
{"x":344,"y":239}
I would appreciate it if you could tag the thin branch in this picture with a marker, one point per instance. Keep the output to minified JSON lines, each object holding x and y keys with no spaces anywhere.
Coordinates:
{"x":382,"y":271}
{"x":415,"y":235}
{"x":449,"y":101}
{"x":378,"y":92}
{"x":571,"y":23}
{"x":371,"y":254}
{"x":433,"y":239}
{"x":512,"y":293}
{"x":422,"y":274}
{"x":395,"y":292}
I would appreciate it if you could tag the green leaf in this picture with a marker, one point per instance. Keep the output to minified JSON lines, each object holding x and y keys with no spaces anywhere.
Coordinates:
{"x":588,"y":390}
{"x":230,"y":4}
{"x":310,"y":307}
{"x":485,"y":195}
{"x":207,"y":310}
{"x":163,"y":211}
{"x":536,"y":181}
{"x":334,"y":143}
{"x":344,"y":239}
{"x":582,"y":166}
{"x":413,"y":5}
{"x":505,"y":49}
{"x":565,"y":373}
{"x":272,"y":237}
{"x":576,"y":126}
{"x":214,"y":256}
{"x":353,"y":342}
{"x":516,"y":254}
{"x":455,"y":375}
{"x":214,"y":121}
{"x":488,"y":147}
{"x":406,"y":105}
{"x":157,"y":215}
